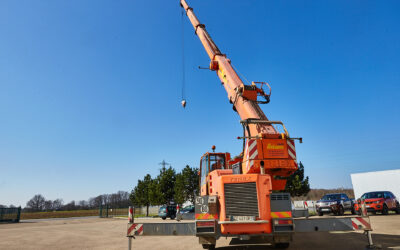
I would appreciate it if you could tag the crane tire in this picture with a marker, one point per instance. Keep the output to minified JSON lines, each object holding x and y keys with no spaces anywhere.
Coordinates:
{"x":281,"y":245}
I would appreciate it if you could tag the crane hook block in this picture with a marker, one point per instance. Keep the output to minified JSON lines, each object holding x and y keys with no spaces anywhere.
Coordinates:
{"x":183,"y":102}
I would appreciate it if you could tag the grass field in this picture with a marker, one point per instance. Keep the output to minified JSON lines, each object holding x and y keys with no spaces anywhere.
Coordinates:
{"x":119,"y":212}
{"x":59,"y":214}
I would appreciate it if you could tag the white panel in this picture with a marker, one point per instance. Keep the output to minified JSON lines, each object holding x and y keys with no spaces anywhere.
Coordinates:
{"x":376,"y":181}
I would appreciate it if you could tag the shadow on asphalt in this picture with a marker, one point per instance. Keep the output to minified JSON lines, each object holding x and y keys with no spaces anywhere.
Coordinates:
{"x":325,"y":240}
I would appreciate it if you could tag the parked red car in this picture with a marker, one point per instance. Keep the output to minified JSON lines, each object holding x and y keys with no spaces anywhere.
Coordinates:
{"x":380,"y":201}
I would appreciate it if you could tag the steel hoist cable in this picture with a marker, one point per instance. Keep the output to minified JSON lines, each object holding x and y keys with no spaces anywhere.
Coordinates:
{"x":183,"y":101}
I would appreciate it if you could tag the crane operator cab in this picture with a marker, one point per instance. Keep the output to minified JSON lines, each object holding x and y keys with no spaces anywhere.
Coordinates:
{"x":210,"y":162}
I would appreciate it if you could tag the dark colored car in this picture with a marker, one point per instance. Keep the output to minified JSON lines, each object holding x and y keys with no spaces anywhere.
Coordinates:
{"x":335,"y":203}
{"x":380,"y":201}
{"x":167,"y":211}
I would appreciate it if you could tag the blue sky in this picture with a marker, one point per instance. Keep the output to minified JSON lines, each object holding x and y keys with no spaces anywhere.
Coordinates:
{"x":90,"y":90}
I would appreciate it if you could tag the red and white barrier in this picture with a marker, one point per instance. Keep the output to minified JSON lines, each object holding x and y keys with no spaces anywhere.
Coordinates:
{"x":130,"y":215}
{"x":361,"y":223}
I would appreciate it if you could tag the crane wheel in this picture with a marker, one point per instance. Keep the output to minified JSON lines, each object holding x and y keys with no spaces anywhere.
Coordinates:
{"x":281,"y":245}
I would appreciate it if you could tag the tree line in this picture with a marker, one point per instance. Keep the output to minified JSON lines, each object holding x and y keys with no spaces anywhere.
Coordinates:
{"x":166,"y":187}
{"x":181,"y":187}
{"x":39,"y":203}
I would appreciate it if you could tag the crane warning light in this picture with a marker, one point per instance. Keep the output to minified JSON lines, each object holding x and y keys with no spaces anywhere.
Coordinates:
{"x":183,"y":103}
{"x":213,"y":148}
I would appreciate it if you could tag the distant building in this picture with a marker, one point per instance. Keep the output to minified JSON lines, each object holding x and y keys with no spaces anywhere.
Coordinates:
{"x":388,"y":180}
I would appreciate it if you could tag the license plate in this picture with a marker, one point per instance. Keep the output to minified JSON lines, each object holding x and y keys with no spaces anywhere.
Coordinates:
{"x":367,"y":206}
{"x":325,"y":209}
{"x":243,"y":218}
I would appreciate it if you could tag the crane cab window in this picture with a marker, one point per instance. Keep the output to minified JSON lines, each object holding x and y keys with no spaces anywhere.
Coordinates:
{"x":204,"y":169}
{"x":210,"y":162}
{"x":217,"y":162}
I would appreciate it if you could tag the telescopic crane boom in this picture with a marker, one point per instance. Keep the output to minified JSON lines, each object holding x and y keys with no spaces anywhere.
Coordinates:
{"x":228,"y":76}
{"x":265,"y":149}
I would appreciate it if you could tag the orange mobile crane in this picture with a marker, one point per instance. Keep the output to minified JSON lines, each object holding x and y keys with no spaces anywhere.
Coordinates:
{"x":242,"y":187}
{"x":240,"y":197}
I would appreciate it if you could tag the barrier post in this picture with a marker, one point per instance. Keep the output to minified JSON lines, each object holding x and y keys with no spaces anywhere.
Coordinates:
{"x":18,"y":214}
{"x":178,"y":215}
{"x":131,"y":219}
{"x":130,"y":214}
{"x":129,"y":243}
{"x":364,"y":214}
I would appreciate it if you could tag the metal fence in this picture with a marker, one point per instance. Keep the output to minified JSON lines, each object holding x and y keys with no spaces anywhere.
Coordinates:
{"x":10,"y":214}
{"x":310,"y":205}
{"x":109,"y":212}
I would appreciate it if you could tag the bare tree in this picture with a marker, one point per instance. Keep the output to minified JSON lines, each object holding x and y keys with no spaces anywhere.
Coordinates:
{"x":113,"y":200}
{"x":83,"y":204}
{"x":106,"y":199}
{"x":48,"y":205}
{"x":97,"y":201}
{"x":124,"y":199}
{"x":57,"y":204}
{"x":123,"y":195}
{"x":69,"y":206}
{"x":36,"y":203}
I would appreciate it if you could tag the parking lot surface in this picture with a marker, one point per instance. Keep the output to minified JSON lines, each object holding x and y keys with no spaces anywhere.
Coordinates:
{"x":96,"y":233}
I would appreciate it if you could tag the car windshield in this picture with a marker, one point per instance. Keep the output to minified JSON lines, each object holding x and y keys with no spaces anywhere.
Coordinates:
{"x":372,"y":195}
{"x":331,"y":197}
{"x":188,"y":208}
{"x":162,"y":209}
